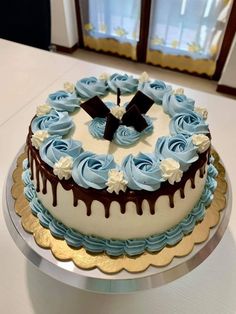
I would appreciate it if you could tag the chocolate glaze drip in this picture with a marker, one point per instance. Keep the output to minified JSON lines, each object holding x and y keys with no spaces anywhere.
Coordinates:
{"x":103,"y":196}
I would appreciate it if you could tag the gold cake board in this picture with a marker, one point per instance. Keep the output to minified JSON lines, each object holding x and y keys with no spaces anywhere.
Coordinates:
{"x":113,"y":265}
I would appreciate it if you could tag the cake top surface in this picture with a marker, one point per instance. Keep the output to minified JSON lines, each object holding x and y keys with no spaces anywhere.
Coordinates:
{"x":155,"y":133}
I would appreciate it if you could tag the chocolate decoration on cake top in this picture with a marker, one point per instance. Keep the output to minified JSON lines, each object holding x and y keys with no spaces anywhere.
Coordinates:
{"x":139,"y":105}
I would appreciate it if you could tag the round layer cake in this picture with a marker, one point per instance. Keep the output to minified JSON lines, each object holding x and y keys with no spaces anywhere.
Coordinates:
{"x":119,"y":164}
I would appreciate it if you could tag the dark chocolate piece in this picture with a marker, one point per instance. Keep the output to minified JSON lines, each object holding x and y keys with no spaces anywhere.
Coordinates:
{"x":118,"y":96}
{"x":133,"y":117}
{"x":95,"y":107}
{"x":142,"y":101}
{"x":112,"y":125}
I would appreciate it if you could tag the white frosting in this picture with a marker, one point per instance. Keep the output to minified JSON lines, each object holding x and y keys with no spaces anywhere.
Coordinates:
{"x":118,"y":225}
{"x":179,"y":91}
{"x":38,"y":138}
{"x":63,"y":168}
{"x":118,"y":112}
{"x":69,"y":87}
{"x":100,"y":146}
{"x":201,"y":141}
{"x":170,"y":169}
{"x":202,"y":111}
{"x":43,"y":109}
{"x":104,"y":77}
{"x":116,"y":181}
{"x":144,"y":77}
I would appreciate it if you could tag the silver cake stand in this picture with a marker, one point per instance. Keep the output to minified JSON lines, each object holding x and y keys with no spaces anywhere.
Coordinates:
{"x":96,"y":281}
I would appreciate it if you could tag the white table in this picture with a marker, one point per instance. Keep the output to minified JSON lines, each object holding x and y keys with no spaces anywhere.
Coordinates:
{"x":27,"y":76}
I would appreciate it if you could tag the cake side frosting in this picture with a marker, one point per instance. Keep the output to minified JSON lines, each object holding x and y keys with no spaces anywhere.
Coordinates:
{"x":113,"y":247}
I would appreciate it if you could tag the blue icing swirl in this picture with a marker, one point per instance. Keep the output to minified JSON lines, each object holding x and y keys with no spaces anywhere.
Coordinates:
{"x":114,"y":247}
{"x":63,"y":101}
{"x":173,"y":104}
{"x":135,"y":247}
{"x":36,"y":206}
{"x":127,"y":84}
{"x":25,"y":164}
{"x":91,"y":170}
{"x":94,"y":244}
{"x":45,"y":218}
{"x":29,"y":192}
{"x":56,"y":123}
{"x":131,"y":247}
{"x":57,"y":228}
{"x":55,"y":147}
{"x":126,"y":135}
{"x":142,"y":172}
{"x":73,"y":238}
{"x":156,"y":242}
{"x":174,"y":235}
{"x":188,"y":123}
{"x":97,"y":127}
{"x":26,"y":176}
{"x":89,"y":87}
{"x":177,"y":147}
{"x":155,"y":90}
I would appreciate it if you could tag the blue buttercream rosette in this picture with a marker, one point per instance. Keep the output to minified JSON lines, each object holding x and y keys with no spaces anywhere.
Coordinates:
{"x":55,"y":123}
{"x":177,"y":103}
{"x":142,"y":172}
{"x":55,"y":147}
{"x":63,"y":101}
{"x":177,"y":147}
{"x":155,"y":90}
{"x":91,"y":86}
{"x":91,"y":170}
{"x":127,"y":84}
{"x":188,"y":123}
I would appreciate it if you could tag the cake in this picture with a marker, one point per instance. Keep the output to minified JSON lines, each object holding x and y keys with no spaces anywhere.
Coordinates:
{"x":119,"y":164}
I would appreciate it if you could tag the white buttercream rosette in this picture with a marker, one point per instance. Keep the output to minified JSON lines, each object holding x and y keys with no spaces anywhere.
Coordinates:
{"x":63,"y":168}
{"x":38,"y":138}
{"x":116,"y":181}
{"x":170,"y":169}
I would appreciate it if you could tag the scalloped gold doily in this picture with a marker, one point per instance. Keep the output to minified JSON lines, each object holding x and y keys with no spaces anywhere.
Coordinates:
{"x":111,"y":265}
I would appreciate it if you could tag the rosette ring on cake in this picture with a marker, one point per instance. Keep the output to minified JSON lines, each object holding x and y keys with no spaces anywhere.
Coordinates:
{"x":120,"y":198}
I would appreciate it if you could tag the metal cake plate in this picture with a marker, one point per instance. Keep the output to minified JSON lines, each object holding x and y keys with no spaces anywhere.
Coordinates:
{"x":95,"y":280}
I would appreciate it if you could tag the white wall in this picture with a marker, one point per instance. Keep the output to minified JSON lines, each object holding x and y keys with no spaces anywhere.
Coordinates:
{"x":228,"y":76}
{"x":64,"y":26}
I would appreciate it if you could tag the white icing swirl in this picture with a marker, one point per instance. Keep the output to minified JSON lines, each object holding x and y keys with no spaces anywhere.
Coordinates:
{"x":118,"y":112}
{"x":144,"y":77}
{"x":63,"y":168}
{"x":202,"y":111}
{"x":43,"y":109}
{"x":38,"y":138}
{"x":116,"y":181}
{"x":69,"y":87}
{"x":201,"y":141}
{"x":171,"y":170}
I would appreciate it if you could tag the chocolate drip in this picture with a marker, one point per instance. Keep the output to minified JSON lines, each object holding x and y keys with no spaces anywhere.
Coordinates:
{"x":171,"y":200}
{"x":32,"y":166}
{"x":37,"y":179}
{"x":103,"y":196}
{"x":202,"y":171}
{"x":182,"y":195}
{"x":44,"y":191}
{"x":152,"y":208}
{"x":192,"y":182}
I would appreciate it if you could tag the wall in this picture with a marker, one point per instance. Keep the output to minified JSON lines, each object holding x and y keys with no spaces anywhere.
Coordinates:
{"x":64,"y":26}
{"x":228,"y":77}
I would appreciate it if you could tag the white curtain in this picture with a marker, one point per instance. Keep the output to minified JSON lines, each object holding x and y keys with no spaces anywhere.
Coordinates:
{"x":115,"y":19}
{"x":188,"y":27}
